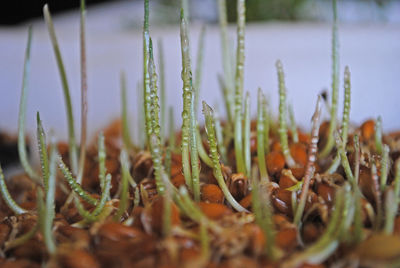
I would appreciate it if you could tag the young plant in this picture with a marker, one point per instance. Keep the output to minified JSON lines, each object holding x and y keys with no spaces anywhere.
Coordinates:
{"x":241,"y":18}
{"x":384,"y":166}
{"x":44,"y":163}
{"x":260,"y":137}
{"x":73,"y":154}
{"x":310,"y":167}
{"x":335,"y":85}
{"x":22,"y":114}
{"x":293,"y":126}
{"x":5,"y":194}
{"x":163,"y":105}
{"x":220,"y":139}
{"x":283,"y":137}
{"x":84,"y":88}
{"x":199,"y":65}
{"x":378,"y":135}
{"x":209,"y":118}
{"x":171,"y":142}
{"x":146,"y":74}
{"x":123,"y":199}
{"x":345,"y":121}
{"x":246,"y":135}
{"x":267,"y":121}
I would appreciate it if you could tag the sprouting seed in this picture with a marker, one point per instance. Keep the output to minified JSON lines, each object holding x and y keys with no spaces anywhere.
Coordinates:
{"x":283,"y":137}
{"x":310,"y":167}
{"x":208,"y":114}
{"x":70,"y":118}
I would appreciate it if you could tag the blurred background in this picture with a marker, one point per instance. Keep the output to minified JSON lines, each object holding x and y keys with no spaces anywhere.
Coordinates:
{"x":296,"y":31}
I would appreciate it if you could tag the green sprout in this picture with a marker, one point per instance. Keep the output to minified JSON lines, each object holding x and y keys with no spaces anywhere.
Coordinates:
{"x":199,"y":65}
{"x":310,"y":167}
{"x":293,"y":128}
{"x":171,"y":142}
{"x":123,"y":200}
{"x":384,"y":166}
{"x":260,"y":137}
{"x":70,"y":118}
{"x":266,"y":124}
{"x":358,"y":224}
{"x":84,"y":88}
{"x":22,"y":114}
{"x":163,"y":97}
{"x":377,"y":195}
{"x":146,"y":74}
{"x":246,"y":134}
{"x":241,"y":18}
{"x":220,"y":139}
{"x":378,"y":135}
{"x":5,"y":194}
{"x":335,"y":85}
{"x":209,"y":117}
{"x":283,"y":137}
{"x":44,"y":163}
{"x":126,"y":137}
{"x":391,"y":207}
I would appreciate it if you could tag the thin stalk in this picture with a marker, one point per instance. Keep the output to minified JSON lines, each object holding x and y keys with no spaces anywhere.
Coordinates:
{"x":146,"y":74}
{"x":209,"y":117}
{"x":44,"y":163}
{"x":155,"y":138}
{"x":267,"y":120}
{"x":141,"y":117}
{"x":226,"y":60}
{"x":260,"y":138}
{"x":220,"y":138}
{"x":126,"y":136}
{"x":378,"y":135}
{"x":163,"y":105}
{"x":377,"y":195}
{"x":76,"y":187}
{"x":70,"y":118}
{"x":167,"y":208}
{"x":345,"y":120}
{"x":194,"y":157}
{"x":101,"y":154}
{"x":21,"y":239}
{"x":293,"y":126}
{"x":263,"y":214}
{"x":123,"y":200}
{"x":310,"y":167}
{"x":391,"y":207}
{"x":49,"y":206}
{"x":241,"y":13}
{"x":198,"y":70}
{"x":84,"y":89}
{"x":201,"y":150}
{"x":246,"y":134}
{"x":384,"y":166}
{"x":204,"y":241}
{"x":358,"y":222}
{"x":5,"y":194}
{"x":283,"y":137}
{"x":345,"y":161}
{"x":335,"y":85}
{"x":171,"y":142}
{"x":187,"y":99}
{"x":22,"y":114}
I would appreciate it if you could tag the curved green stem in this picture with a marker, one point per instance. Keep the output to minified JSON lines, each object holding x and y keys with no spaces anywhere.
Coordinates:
{"x":208,"y":113}
{"x":22,"y":114}
{"x":73,"y":154}
{"x":5,"y":194}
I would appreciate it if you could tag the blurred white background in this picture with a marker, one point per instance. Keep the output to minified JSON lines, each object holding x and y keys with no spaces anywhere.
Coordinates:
{"x":114,"y":43}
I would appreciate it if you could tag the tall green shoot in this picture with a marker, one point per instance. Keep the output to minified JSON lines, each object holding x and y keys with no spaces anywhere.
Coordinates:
{"x":73,"y":154}
{"x":260,"y":137}
{"x":246,"y":134}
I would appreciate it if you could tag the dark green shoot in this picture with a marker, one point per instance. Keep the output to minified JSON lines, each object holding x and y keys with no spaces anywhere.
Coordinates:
{"x":84,"y":89}
{"x":70,"y":118}
{"x":310,"y":167}
{"x":246,"y":135}
{"x":260,"y":137}
{"x":241,"y":18}
{"x":283,"y":136}
{"x":126,"y":136}
{"x":41,"y":138}
{"x":293,"y":126}
{"x":335,"y":85}
{"x":22,"y":114}
{"x":209,"y":117}
{"x":5,"y":194}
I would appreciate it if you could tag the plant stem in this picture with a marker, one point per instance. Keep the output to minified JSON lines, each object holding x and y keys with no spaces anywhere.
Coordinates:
{"x":22,"y":114}
{"x":358,"y":223}
{"x":335,"y":85}
{"x":194,"y":157}
{"x":293,"y":126}
{"x":171,"y":142}
{"x":141,"y":116}
{"x":44,"y":163}
{"x":378,"y":135}
{"x":246,"y":135}
{"x":146,"y":75}
{"x":267,"y":120}
{"x":163,"y":104}
{"x":310,"y":167}
{"x":123,"y":200}
{"x":220,"y":139}
{"x":199,"y":65}
{"x":260,"y":137}
{"x":209,"y":117}
{"x":201,"y":150}
{"x":241,"y":10}
{"x":391,"y":206}
{"x":84,"y":89}
{"x":283,"y":137}
{"x":384,"y":166}
{"x":5,"y":194}
{"x":102,"y":160}
{"x":73,"y":154}
{"x":187,"y":100}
